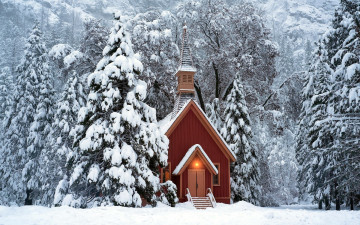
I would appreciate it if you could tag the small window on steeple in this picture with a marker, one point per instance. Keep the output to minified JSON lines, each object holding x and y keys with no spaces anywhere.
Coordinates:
{"x":189,"y":78}
{"x":184,"y":79}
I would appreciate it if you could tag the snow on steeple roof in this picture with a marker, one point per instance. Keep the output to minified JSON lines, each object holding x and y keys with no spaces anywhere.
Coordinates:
{"x":186,"y":63}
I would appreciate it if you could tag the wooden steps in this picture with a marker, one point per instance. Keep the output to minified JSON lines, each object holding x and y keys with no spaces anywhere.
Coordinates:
{"x":202,"y":202}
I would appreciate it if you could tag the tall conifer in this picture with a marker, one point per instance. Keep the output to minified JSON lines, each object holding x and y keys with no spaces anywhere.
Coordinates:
{"x":118,"y":145}
{"x":237,"y":133}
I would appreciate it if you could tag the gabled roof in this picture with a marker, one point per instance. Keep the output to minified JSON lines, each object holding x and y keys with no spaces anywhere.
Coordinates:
{"x":190,"y":154}
{"x":169,"y":124}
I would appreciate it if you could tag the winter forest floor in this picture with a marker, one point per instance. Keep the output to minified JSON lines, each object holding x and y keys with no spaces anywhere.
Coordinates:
{"x":239,"y":213}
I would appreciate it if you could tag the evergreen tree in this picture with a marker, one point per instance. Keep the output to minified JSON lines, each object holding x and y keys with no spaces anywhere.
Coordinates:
{"x":327,"y":154}
{"x":118,"y":145}
{"x":316,"y":134}
{"x":34,"y":172}
{"x":65,"y":119}
{"x":154,"y":39}
{"x":57,"y":55}
{"x":92,"y":44}
{"x":26,"y":124}
{"x":6,"y":88}
{"x":302,"y":141}
{"x":237,"y":133}
{"x":67,"y":60}
{"x":213,"y":112}
{"x":344,"y":42}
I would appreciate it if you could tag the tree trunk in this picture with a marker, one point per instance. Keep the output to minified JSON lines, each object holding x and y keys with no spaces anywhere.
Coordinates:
{"x":217,"y":81}
{"x":28,"y":200}
{"x":327,"y":203}
{"x":337,"y":201}
{"x":337,"y":204}
{"x":351,"y":201}
{"x":227,"y":91}
{"x":320,"y":204}
{"x":198,"y":92}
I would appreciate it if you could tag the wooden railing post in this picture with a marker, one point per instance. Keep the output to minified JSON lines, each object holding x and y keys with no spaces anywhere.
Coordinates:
{"x":188,"y":195}
{"x":211,"y":196}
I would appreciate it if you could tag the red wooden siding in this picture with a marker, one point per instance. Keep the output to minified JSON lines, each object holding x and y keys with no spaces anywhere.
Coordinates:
{"x":189,"y":132}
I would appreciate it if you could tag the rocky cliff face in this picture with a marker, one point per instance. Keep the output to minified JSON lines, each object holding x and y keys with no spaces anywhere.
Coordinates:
{"x":295,"y":17}
{"x":53,"y":9}
{"x":299,"y":18}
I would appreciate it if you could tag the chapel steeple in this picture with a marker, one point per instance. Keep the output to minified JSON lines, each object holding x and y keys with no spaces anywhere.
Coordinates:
{"x":185,"y":75}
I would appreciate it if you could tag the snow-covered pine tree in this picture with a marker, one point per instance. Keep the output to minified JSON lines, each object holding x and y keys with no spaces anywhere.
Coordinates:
{"x":154,"y":39}
{"x":328,"y":153}
{"x":118,"y":145}
{"x":302,"y":141}
{"x":344,"y":42}
{"x":34,"y":172}
{"x":237,"y":133}
{"x":6,"y":88}
{"x":67,"y":60}
{"x":213,"y":112}
{"x":26,"y":125}
{"x":91,"y":45}
{"x":61,"y":142}
{"x":57,"y":54}
{"x":317,"y":135}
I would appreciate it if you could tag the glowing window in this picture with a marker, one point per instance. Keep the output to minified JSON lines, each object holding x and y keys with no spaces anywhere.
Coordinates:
{"x":166,"y":174}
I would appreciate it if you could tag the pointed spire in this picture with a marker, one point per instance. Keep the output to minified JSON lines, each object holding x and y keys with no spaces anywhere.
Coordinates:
{"x":186,"y":63}
{"x":185,"y":75}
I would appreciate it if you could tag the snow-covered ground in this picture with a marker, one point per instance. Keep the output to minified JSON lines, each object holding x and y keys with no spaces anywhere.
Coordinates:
{"x":240,"y":213}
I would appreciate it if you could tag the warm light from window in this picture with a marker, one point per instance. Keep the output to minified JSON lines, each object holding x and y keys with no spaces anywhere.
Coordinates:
{"x":196,"y":164}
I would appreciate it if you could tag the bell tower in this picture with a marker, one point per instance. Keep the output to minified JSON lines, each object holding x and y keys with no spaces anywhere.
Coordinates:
{"x":185,"y":75}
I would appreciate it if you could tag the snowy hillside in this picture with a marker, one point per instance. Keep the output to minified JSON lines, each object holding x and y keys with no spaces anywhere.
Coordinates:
{"x":300,"y":17}
{"x":295,"y":16}
{"x":84,"y":8}
{"x":240,"y":213}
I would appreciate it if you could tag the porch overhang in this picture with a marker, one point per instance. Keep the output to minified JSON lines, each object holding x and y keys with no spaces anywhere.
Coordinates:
{"x":195,"y":150}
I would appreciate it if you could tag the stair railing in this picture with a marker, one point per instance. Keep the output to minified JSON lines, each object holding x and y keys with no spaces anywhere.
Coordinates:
{"x":188,"y":195}
{"x":212,"y":198}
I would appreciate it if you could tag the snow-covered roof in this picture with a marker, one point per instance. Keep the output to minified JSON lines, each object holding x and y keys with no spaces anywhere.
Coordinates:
{"x":186,"y":63}
{"x":186,"y":68}
{"x":167,"y":122}
{"x":188,"y":155}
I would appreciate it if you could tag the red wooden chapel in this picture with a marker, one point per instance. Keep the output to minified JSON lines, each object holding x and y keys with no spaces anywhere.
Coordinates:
{"x":198,"y":158}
